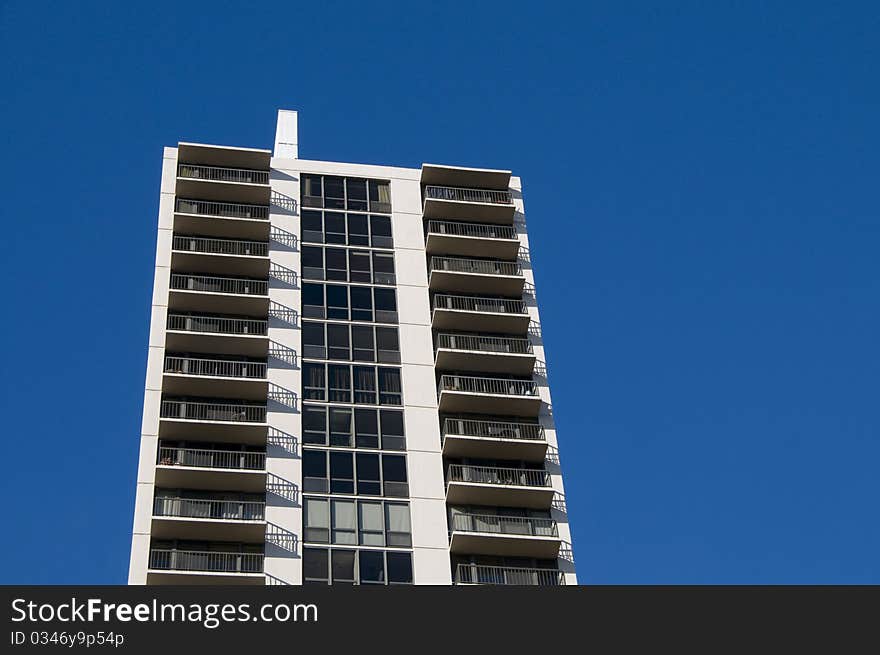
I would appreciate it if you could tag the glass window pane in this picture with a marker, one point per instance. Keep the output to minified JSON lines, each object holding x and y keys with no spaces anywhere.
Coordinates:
{"x":394,"y":475}
{"x":368,"y":474}
{"x":386,"y":305}
{"x":387,"y":345}
{"x":336,"y":264}
{"x":312,"y":226}
{"x":380,"y":229}
{"x":334,"y":193}
{"x":366,"y":428}
{"x":338,"y":342}
{"x":313,"y":381}
{"x":389,"y":386}
{"x":314,"y":470}
{"x":364,"y":385}
{"x":314,"y":425}
{"x":357,"y":193}
{"x":340,"y":427}
{"x":344,"y":522}
{"x":370,"y":515}
{"x":339,"y":379}
{"x":359,"y":266}
{"x":380,"y":196}
{"x":361,"y":304}
{"x":362,"y":343}
{"x":357,"y":230}
{"x":337,"y":302}
{"x":313,"y":300}
{"x":342,"y":566}
{"x":383,"y":268}
{"x":341,"y":473}
{"x":313,"y":340}
{"x":371,"y":567}
{"x":315,"y":563}
{"x":313,"y":262}
{"x":334,"y":227}
{"x":399,"y":568}
{"x":317,"y":520}
{"x":392,"y":430}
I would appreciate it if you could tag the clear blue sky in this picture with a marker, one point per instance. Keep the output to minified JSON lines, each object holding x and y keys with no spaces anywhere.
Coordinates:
{"x":701,"y":189}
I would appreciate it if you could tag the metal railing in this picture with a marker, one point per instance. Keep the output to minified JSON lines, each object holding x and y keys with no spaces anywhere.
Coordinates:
{"x":225,"y":368}
{"x":208,"y":508}
{"x":222,"y":174}
{"x":496,"y":386}
{"x":217,"y":284}
{"x":476,"y":304}
{"x":493,"y":429}
{"x":469,"y":265}
{"x":476,"y":342}
{"x":222,"y":209}
{"x":461,"y":194}
{"x":513,"y":525}
{"x":507,"y":575}
{"x":208,"y":246}
{"x":201,"y":411}
{"x":476,"y":230}
{"x":205,"y":561}
{"x":498,"y":475}
{"x":217,"y":325}
{"x":210,"y":458}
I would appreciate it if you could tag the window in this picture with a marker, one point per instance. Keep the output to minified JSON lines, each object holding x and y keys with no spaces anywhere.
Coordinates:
{"x":366,"y":428}
{"x":312,"y":226}
{"x":313,"y":340}
{"x":317,"y":520}
{"x":311,"y":191}
{"x":334,"y":192}
{"x":394,"y":475}
{"x":313,"y":300}
{"x":362,"y":303}
{"x":362,"y":343}
{"x":386,"y":305}
{"x":341,"y":473}
{"x":334,"y":228}
{"x":368,"y":477}
{"x":313,"y":381}
{"x":337,"y":268}
{"x":340,"y":427}
{"x":313,"y":262}
{"x":315,"y":471}
{"x":389,"y":386}
{"x":358,"y":232}
{"x":344,"y":522}
{"x":399,"y":568}
{"x":359,"y":266}
{"x":315,"y":425}
{"x":343,"y":566}
{"x":380,"y":196}
{"x":357,"y":193}
{"x":364,"y":385}
{"x":380,"y":231}
{"x":383,"y":268}
{"x":339,"y":378}
{"x":315,"y":566}
{"x":337,"y":342}
{"x":392,"y":430}
{"x":370,"y":520}
{"x":397,"y":525}
{"x":387,"y":345}
{"x":371,"y":567}
{"x":337,"y":302}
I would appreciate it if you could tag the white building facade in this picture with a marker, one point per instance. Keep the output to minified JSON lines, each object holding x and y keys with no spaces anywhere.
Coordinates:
{"x":346,"y":382}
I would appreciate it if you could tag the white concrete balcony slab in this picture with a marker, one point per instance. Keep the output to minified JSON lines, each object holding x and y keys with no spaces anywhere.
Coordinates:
{"x":471,"y":239}
{"x":505,"y":536}
{"x":465,"y":437}
{"x":498,"y":486}
{"x":484,"y":353}
{"x":484,"y":314}
{"x":475,"y":276}
{"x":466,"y":394}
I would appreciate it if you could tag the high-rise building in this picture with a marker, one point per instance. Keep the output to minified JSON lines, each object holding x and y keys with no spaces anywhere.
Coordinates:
{"x":346,"y":379}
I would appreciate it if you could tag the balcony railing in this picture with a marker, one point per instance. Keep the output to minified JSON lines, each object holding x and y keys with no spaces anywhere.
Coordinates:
{"x":482,"y":305}
{"x":217,"y":325}
{"x":226,"y":368}
{"x":205,"y":561}
{"x":476,"y":230}
{"x":507,"y":575}
{"x":460,"y":194}
{"x":222,"y":174}
{"x":207,"y":246}
{"x":508,"y":525}
{"x":476,"y":342}
{"x":498,"y":475}
{"x":222,"y":209}
{"x":215,"y":284}
{"x":205,"y":508}
{"x":493,"y":429}
{"x":493,"y":386}
{"x":478,"y":266}
{"x":201,"y":411}
{"x":212,"y":459}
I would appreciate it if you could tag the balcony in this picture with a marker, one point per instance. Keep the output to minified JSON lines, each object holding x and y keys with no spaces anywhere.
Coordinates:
{"x":478,"y":574}
{"x":465,"y":394}
{"x":234,"y":335}
{"x":500,"y":439}
{"x":223,"y":183}
{"x":221,"y":219}
{"x":500,"y":315}
{"x":177,"y":517}
{"x":498,"y":486}
{"x":214,"y":293}
{"x":194,"y":567}
{"x":506,"y":536}
{"x":484,"y":353}
{"x":471,"y":240}
{"x":478,"y":276}
{"x":215,"y":419}
{"x":211,"y":468}
{"x":229,"y":256}
{"x":480,"y":205}
{"x":232,"y":378}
